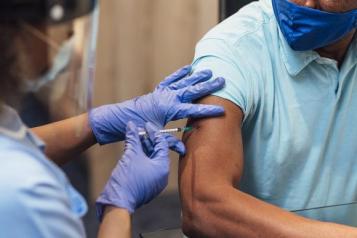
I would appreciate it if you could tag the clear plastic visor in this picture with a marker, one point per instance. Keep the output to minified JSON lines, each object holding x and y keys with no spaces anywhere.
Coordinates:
{"x":58,"y":64}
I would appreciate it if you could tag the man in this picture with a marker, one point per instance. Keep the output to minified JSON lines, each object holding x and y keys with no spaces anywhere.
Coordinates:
{"x":286,"y":141}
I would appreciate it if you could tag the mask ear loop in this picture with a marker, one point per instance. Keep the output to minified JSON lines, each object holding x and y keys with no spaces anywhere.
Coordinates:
{"x":40,"y":35}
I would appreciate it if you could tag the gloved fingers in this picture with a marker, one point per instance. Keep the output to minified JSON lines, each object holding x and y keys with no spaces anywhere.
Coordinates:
{"x":161,"y":148}
{"x":179,"y":74}
{"x":149,"y":140}
{"x":151,"y":129}
{"x":175,"y":144}
{"x":187,"y":110}
{"x":195,"y":78}
{"x":148,"y":146}
{"x":197,"y":91}
{"x":132,"y":142}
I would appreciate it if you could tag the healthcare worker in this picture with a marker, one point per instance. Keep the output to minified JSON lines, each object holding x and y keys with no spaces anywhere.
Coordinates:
{"x":48,"y":47}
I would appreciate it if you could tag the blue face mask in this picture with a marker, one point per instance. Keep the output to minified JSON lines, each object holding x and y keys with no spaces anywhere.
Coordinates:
{"x":60,"y":64}
{"x":308,"y":29}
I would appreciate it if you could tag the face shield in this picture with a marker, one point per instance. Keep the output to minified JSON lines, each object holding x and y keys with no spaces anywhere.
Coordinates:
{"x":56,"y":51}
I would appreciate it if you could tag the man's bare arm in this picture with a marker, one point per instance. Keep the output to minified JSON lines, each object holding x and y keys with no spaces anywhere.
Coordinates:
{"x":66,"y":139}
{"x":213,"y":207}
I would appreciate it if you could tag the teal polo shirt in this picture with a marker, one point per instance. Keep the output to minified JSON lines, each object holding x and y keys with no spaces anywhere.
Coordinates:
{"x":300,"y":113}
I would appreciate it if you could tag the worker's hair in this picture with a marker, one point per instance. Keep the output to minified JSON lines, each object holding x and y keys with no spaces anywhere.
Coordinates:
{"x":10,"y":76}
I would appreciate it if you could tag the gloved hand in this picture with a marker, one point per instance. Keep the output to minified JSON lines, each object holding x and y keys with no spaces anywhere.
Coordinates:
{"x":171,"y":100}
{"x":137,"y":178}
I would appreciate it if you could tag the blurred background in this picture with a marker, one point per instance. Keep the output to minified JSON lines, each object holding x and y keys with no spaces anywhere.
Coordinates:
{"x":140,"y":42}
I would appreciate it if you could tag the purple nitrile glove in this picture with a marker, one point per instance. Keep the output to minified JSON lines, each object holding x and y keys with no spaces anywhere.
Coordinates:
{"x":137,"y":178}
{"x":171,"y":100}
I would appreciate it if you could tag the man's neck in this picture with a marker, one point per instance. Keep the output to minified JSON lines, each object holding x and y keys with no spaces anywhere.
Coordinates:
{"x":338,"y":50}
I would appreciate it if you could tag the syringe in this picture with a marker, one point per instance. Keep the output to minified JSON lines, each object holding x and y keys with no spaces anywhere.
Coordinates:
{"x":171,"y":130}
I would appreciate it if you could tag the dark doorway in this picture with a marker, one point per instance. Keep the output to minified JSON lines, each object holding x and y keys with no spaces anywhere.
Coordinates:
{"x":229,"y":7}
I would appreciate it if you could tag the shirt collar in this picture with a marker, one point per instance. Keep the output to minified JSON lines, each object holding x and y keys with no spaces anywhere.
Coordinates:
{"x":295,"y":61}
{"x":351,"y":56}
{"x":10,"y":123}
{"x":12,"y":126}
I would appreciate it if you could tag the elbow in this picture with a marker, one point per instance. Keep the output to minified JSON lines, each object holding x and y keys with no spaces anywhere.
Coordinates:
{"x":187,"y":228}
{"x":199,"y":213}
{"x":192,"y":223}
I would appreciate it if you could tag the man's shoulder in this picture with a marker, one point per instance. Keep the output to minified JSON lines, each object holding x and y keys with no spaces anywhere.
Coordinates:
{"x":248,"y":23}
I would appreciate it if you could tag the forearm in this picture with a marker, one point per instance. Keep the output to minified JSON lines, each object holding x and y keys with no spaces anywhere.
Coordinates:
{"x":227,"y":212}
{"x":66,"y":139}
{"x":116,"y":223}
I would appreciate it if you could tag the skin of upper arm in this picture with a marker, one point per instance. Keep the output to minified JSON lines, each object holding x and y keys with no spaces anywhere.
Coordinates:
{"x":214,"y":158}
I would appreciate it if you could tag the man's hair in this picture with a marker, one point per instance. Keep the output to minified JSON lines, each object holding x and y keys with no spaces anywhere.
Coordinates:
{"x":10,"y":75}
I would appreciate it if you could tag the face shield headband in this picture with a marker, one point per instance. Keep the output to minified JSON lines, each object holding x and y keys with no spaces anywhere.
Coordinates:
{"x":308,"y":29}
{"x":49,"y":11}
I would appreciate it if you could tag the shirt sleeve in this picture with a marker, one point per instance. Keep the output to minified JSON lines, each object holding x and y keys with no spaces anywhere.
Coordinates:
{"x":226,"y":61}
{"x":32,"y":202}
